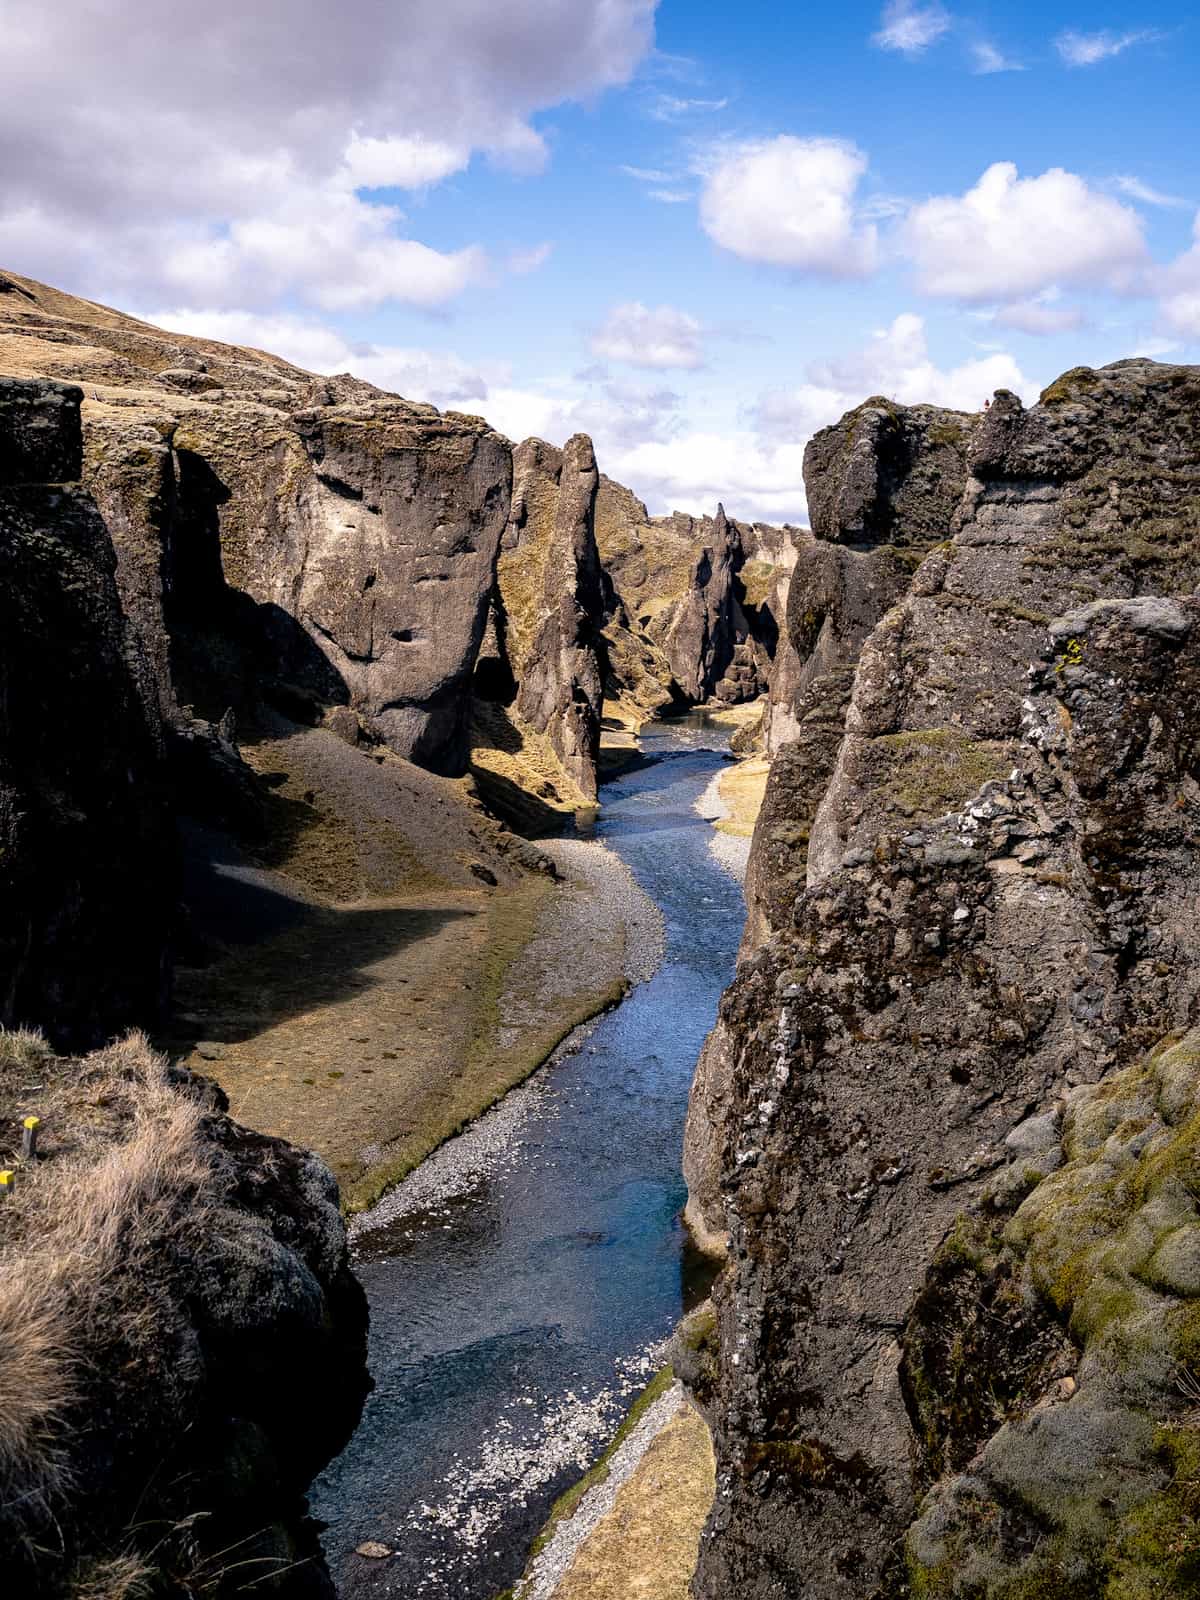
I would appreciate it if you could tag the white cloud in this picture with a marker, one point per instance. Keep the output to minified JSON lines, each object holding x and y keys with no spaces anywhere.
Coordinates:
{"x":207,"y":150}
{"x":662,"y":336}
{"x":437,"y":377}
{"x":1137,"y":190}
{"x":790,"y":202}
{"x":1179,"y":288}
{"x":401,"y":163}
{"x":1039,"y":316}
{"x":896,"y":363}
{"x":643,"y":438}
{"x":669,"y":107}
{"x":646,"y":174}
{"x":618,"y":416}
{"x":695,"y":470}
{"x":669,"y":197}
{"x":1086,"y":49}
{"x":1009,"y":237}
{"x":987,"y":58}
{"x":909,"y":28}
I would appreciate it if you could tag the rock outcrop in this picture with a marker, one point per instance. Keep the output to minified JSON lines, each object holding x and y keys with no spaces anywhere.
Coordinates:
{"x":312,"y":542}
{"x":886,"y":483}
{"x":544,"y":654}
{"x":183,"y":1342}
{"x":949,"y":1131}
{"x":704,"y":593}
{"x":87,"y":848}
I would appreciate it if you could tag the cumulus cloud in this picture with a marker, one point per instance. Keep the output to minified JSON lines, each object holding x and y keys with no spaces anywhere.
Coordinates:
{"x":791,"y":202}
{"x":909,"y":28}
{"x":896,"y":363}
{"x":643,"y":438}
{"x":619,"y":416}
{"x":216,"y":140}
{"x":1086,"y":49}
{"x":1179,"y":287}
{"x":695,"y":470}
{"x":662,"y":336}
{"x":437,"y":377}
{"x":1009,"y":237}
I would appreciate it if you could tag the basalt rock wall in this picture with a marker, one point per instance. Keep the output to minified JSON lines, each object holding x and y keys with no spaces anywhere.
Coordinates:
{"x":545,"y":656}
{"x":87,"y":849}
{"x":951,"y":1126}
{"x":695,"y":603}
{"x":310,"y":542}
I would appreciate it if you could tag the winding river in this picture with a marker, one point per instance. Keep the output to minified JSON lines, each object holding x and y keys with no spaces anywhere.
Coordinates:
{"x":520,"y":1301}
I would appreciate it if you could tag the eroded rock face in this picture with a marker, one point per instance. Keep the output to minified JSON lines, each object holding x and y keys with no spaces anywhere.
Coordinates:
{"x":87,"y":849}
{"x":551,"y":601}
{"x":313,"y":542}
{"x":885,"y":485}
{"x":1000,"y":914}
{"x":705,"y":592}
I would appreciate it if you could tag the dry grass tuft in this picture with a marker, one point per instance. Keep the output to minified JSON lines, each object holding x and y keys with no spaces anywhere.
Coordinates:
{"x":130,"y":1180}
{"x":22,"y":1047}
{"x":125,"y":1577}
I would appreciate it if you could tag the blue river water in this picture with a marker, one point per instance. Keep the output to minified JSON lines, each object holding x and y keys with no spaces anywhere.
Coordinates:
{"x":512,"y":1326}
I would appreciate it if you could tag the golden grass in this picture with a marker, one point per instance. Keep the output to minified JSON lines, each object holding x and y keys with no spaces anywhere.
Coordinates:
{"x":126,"y":1177}
{"x":646,"y":1547}
{"x":742,"y":789}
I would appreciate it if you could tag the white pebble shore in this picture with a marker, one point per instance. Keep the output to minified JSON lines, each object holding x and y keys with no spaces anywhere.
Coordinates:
{"x":554,"y":1560}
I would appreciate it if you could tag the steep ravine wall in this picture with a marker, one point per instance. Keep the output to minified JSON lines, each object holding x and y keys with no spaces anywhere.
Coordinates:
{"x":948,"y":1123}
{"x":695,"y":604}
{"x":88,"y":870}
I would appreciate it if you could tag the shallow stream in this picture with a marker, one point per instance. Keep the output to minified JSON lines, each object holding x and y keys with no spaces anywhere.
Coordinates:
{"x":519,"y":1301}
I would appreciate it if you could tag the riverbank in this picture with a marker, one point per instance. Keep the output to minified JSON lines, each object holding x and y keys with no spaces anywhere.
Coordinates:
{"x":631,"y":1529}
{"x":372,"y":1027}
{"x":731,"y":802}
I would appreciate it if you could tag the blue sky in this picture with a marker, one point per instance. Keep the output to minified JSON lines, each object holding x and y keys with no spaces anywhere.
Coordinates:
{"x":696,"y":231}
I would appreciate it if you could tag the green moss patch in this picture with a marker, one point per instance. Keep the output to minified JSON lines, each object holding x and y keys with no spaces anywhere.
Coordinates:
{"x":930,"y":771}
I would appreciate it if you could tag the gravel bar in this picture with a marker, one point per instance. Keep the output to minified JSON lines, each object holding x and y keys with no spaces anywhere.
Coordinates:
{"x":553,"y":1562}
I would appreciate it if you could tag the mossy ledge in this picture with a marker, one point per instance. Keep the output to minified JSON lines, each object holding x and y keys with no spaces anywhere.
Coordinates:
{"x":1090,"y":1484}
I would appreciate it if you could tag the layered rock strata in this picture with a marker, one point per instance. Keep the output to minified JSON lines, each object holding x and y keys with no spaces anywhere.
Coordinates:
{"x":944,"y":1130}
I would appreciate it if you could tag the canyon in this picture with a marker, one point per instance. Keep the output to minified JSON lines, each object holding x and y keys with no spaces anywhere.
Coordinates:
{"x":308,"y":698}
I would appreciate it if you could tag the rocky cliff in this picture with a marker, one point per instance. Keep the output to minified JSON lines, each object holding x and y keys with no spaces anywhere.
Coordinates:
{"x":87,"y":846}
{"x":314,"y":543}
{"x":543,"y":658}
{"x":886,"y":482}
{"x":947,"y":1119}
{"x":695,"y":603}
